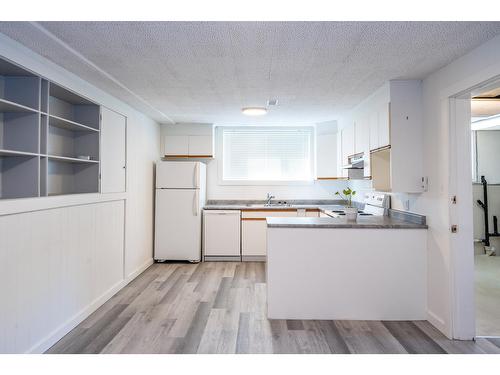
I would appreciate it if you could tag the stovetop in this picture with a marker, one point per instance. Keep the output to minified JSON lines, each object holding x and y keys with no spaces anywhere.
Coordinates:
{"x":342,"y":213}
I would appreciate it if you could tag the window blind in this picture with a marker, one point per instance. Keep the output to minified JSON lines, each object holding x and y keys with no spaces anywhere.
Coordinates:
{"x":267,"y":154}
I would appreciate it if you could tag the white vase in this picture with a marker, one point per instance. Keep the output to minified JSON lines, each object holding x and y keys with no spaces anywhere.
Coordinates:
{"x":351,"y":213}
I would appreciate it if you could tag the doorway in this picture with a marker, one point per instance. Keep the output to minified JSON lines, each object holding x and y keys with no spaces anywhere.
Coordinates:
{"x":485,"y":157}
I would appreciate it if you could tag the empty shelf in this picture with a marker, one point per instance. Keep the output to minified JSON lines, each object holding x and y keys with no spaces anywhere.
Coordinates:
{"x":8,"y":106}
{"x":71,"y":160}
{"x":4,"y":152}
{"x":63,"y":123}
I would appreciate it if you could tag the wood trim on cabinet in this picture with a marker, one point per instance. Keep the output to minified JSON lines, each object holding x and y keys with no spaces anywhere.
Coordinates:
{"x":380,"y":149}
{"x":189,"y":156}
{"x":253,"y":218}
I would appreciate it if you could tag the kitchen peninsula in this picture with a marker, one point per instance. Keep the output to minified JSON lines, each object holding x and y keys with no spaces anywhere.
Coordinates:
{"x":331,"y":268}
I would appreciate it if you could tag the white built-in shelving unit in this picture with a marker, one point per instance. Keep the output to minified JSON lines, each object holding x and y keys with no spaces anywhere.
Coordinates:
{"x":49,"y":137}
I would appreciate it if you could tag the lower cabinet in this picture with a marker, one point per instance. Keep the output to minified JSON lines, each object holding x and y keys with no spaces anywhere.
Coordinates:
{"x":254,"y":232}
{"x":225,"y":230}
{"x":253,"y":237}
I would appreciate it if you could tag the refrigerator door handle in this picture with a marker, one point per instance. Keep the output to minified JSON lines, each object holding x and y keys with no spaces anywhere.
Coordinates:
{"x":196,"y":177}
{"x":196,"y":204}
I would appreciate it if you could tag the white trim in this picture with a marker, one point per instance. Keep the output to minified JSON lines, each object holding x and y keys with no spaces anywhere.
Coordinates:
{"x":53,"y":337}
{"x":131,"y":276}
{"x":23,"y":205}
{"x":461,"y":243}
{"x":437,"y":321}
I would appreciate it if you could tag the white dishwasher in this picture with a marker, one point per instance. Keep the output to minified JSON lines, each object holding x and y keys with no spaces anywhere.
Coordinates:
{"x":221,"y":235}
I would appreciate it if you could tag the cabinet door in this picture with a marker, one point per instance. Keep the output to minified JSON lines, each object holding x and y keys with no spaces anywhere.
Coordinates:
{"x":384,"y":126}
{"x":253,"y":237}
{"x":200,"y":145}
{"x":326,"y":155}
{"x":113,"y":151}
{"x":362,"y":135}
{"x":221,"y":233}
{"x":347,"y":143}
{"x":373,"y":129}
{"x":176,"y":145}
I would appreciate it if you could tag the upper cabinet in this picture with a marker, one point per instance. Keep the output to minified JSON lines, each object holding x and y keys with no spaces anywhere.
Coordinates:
{"x":397,"y":161}
{"x":201,"y":146}
{"x":348,"y":146}
{"x":362,"y":135}
{"x":188,"y":141}
{"x":387,"y":129}
{"x":327,"y":151}
{"x":362,"y":141}
{"x":384,"y":125}
{"x":379,"y":127}
{"x":326,"y":156}
{"x":176,"y":145}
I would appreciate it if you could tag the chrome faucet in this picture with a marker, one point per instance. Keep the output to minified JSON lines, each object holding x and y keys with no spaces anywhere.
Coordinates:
{"x":268,"y":200}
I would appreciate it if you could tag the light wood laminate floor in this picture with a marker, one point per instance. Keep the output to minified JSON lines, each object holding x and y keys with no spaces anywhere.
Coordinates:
{"x":220,"y":307}
{"x":487,"y":287}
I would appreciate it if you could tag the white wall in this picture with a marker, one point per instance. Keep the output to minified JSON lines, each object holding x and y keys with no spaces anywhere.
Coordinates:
{"x":481,"y":64}
{"x":135,"y":216}
{"x":217,"y":190}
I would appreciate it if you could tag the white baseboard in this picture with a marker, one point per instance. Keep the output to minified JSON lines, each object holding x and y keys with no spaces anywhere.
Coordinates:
{"x":131,"y":276}
{"x":439,"y":323}
{"x":79,"y":317}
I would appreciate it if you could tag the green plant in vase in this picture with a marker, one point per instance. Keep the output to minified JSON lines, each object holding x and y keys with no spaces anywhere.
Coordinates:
{"x":347,"y":195}
{"x":350,"y":211}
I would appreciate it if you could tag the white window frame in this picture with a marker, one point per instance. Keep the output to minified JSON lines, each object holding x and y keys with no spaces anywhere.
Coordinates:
{"x":220,"y":161}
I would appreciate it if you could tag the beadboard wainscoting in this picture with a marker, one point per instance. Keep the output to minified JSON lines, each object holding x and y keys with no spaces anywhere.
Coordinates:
{"x":67,"y":263}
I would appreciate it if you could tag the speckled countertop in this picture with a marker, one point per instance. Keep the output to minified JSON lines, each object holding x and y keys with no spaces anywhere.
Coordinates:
{"x":394,"y":220}
{"x":363,"y":222}
{"x":259,"y":207}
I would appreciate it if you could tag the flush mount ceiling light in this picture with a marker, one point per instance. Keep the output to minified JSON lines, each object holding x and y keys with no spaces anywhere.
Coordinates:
{"x":254,"y":111}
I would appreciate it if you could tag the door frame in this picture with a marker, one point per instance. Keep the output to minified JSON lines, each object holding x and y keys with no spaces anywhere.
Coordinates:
{"x":460,"y":214}
{"x":461,"y":243}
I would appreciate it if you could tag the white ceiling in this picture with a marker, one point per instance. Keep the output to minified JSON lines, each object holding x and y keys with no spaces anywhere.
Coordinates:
{"x":207,"y":71}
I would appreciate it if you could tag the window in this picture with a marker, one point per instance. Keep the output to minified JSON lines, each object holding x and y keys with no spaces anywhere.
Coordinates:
{"x":267,"y":154}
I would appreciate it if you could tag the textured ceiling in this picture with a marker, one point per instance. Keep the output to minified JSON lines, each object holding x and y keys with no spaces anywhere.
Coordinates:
{"x":207,"y":71}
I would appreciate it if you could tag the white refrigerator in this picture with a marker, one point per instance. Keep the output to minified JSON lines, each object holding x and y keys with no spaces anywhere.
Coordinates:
{"x":180,"y":197}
